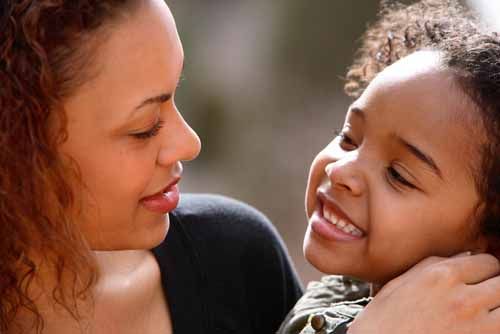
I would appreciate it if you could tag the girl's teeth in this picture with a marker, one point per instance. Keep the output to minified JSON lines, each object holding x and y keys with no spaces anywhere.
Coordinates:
{"x":357,"y":233}
{"x":341,"y":224}
{"x":326,"y":214}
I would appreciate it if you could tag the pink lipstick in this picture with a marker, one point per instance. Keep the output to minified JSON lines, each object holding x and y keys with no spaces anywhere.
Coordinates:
{"x":163,"y":201}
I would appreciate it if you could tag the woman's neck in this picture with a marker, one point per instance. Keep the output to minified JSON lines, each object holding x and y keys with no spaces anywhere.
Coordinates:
{"x":128,"y":288}
{"x":128,"y":292}
{"x":119,"y":263}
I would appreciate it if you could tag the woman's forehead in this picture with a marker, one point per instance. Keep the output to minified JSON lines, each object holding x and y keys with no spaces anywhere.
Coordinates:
{"x":141,"y":57}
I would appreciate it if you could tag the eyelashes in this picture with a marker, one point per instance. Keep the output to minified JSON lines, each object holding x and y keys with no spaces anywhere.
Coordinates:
{"x":154,"y":131}
{"x":395,"y":176}
{"x":346,"y":143}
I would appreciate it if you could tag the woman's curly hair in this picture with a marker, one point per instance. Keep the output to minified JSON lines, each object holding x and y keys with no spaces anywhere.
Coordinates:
{"x":46,"y":49}
{"x":469,"y":51}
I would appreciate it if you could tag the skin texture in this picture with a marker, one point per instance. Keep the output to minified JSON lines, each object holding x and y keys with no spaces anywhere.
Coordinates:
{"x":138,"y":58}
{"x":366,"y":170}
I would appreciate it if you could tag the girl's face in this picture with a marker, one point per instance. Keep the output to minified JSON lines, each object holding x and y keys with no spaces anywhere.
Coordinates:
{"x":126,"y":134}
{"x":397,"y":184}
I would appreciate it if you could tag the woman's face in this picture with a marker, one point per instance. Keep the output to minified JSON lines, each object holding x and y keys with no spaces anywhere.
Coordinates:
{"x":126,"y":134}
{"x":396,"y":185}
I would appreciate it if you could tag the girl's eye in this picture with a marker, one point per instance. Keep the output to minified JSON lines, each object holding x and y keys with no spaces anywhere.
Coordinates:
{"x":395,"y":176}
{"x":346,"y":143}
{"x":150,"y":133}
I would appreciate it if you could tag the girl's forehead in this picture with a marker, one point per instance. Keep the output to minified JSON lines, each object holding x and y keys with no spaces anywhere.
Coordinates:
{"x":419,"y":100}
{"x":421,"y":70}
{"x":421,"y":86}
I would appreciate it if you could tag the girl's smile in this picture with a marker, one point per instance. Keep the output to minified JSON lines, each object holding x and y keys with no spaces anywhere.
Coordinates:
{"x":330,"y":222}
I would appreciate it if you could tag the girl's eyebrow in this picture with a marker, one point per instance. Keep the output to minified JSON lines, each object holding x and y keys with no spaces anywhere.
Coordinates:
{"x":415,"y":151}
{"x":420,"y":155}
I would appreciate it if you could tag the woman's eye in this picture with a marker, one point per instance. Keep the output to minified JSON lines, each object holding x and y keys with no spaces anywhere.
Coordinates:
{"x":346,"y":142}
{"x":395,"y":176}
{"x":150,"y":133}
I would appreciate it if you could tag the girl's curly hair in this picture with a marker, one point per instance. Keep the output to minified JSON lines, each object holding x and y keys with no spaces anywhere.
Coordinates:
{"x":46,"y":49}
{"x":469,"y":51}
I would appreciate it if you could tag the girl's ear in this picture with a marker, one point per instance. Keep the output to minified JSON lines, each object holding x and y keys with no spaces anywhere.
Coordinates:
{"x":493,"y":246}
{"x":482,"y":245}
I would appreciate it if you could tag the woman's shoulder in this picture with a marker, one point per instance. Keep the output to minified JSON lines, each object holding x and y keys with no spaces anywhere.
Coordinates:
{"x":217,"y":209}
{"x":329,"y":305}
{"x":233,"y":258}
{"x":209,"y":217}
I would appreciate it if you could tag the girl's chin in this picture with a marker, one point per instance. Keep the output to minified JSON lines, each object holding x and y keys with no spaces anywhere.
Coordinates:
{"x":330,"y":262}
{"x":315,"y":253}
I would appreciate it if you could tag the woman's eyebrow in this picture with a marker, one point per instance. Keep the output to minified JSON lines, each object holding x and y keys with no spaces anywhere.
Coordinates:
{"x":420,"y":155}
{"x":158,"y":99}
{"x":162,"y":98}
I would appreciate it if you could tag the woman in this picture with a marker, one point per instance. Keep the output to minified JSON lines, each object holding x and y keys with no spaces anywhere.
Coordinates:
{"x":92,"y":145}
{"x":88,"y":87}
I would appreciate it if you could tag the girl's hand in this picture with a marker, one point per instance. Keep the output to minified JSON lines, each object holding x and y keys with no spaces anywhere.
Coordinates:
{"x":458,"y":295}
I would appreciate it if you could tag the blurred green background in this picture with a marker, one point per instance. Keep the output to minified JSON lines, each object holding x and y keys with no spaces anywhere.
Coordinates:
{"x":263,"y":88}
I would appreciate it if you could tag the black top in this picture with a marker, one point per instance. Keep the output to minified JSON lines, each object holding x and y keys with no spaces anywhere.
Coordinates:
{"x":225,"y":269}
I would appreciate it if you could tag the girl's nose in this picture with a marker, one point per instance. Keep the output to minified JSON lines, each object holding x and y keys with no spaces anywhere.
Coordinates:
{"x":346,"y":174}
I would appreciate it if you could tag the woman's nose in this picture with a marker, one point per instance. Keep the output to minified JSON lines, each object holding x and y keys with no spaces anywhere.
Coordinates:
{"x":346,"y":175}
{"x":180,"y":144}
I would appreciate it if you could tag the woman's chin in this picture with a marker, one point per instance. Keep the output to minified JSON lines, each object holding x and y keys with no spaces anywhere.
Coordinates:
{"x":146,"y":235}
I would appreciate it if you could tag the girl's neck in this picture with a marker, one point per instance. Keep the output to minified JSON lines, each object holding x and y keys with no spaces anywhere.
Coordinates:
{"x":375,"y":288}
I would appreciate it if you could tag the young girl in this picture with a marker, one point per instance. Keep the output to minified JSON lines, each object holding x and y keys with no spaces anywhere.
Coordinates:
{"x":414,"y":171}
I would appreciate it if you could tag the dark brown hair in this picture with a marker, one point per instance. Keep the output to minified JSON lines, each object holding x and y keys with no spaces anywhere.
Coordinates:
{"x":469,"y":51}
{"x":45,"y":54}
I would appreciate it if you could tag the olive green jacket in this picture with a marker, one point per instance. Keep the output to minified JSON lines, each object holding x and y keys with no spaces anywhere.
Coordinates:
{"x":327,"y":307}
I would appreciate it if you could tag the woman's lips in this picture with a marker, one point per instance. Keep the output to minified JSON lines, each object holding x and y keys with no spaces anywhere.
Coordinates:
{"x":164,"y":201}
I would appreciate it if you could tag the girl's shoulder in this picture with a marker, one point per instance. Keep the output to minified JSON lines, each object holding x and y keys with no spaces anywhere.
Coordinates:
{"x":327,"y":306}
